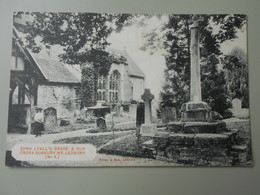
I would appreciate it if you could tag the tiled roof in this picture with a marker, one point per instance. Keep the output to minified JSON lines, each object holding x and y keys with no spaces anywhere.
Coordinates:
{"x":54,"y":70}
{"x":133,"y":68}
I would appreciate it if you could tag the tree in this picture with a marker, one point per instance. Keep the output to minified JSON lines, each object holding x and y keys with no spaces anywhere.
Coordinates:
{"x":235,"y":65}
{"x":83,"y":37}
{"x":214,"y":86}
{"x":214,"y":30}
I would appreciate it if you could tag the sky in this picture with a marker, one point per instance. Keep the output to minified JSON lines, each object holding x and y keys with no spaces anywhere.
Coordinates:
{"x":130,"y":39}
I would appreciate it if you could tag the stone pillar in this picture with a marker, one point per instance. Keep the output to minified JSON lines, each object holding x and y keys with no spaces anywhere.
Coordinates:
{"x":195,"y":110}
{"x":148,"y":128}
{"x":195,"y":85}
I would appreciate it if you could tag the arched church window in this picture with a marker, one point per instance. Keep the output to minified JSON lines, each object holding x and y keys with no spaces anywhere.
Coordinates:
{"x":102,"y":90}
{"x":116,"y":96}
{"x":114,"y":87}
{"x":104,"y":84}
{"x":104,"y":95}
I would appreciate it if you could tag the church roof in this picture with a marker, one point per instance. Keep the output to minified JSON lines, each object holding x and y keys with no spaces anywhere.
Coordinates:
{"x":133,"y":68}
{"x":55,"y":71}
{"x":51,"y":70}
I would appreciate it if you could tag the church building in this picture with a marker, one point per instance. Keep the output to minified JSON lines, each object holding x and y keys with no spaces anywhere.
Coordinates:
{"x":124,"y":83}
{"x":41,"y":80}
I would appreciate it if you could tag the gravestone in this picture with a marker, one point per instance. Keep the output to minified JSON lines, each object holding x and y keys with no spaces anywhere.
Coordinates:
{"x":168,"y":114}
{"x":121,"y":110}
{"x":148,"y":128}
{"x":101,"y":123}
{"x":133,"y":110}
{"x":116,"y":109}
{"x":83,"y":114}
{"x":140,"y":114}
{"x":236,"y":105}
{"x":50,"y":119}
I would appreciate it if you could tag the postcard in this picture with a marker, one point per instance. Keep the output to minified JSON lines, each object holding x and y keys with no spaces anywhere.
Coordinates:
{"x":128,"y":90}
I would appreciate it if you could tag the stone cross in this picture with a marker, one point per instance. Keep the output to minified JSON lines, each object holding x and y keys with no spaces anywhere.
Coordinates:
{"x":147,"y":97}
{"x":195,"y":85}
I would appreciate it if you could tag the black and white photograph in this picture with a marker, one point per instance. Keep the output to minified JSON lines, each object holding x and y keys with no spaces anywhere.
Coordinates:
{"x":128,"y":90}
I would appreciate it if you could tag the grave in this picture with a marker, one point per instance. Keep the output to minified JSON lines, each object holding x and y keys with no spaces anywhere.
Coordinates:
{"x":236,"y":106}
{"x":139,"y":115}
{"x":50,"y":119}
{"x":148,"y":128}
{"x":133,"y":110}
{"x":98,"y":112}
{"x":118,"y":109}
{"x":101,"y":123}
{"x":168,"y":114}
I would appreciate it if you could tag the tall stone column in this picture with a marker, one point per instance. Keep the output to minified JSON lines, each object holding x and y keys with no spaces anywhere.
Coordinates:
{"x":195,"y":84}
{"x":195,"y":110}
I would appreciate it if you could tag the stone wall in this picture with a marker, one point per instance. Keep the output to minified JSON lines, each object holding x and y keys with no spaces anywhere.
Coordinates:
{"x":138,"y":87}
{"x":61,"y":97}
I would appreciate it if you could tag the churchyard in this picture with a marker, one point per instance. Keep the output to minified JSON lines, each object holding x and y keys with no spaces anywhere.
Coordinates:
{"x":190,"y":123}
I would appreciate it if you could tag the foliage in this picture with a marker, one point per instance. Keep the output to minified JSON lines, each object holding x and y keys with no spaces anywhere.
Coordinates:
{"x":83,"y":37}
{"x":214,"y":86}
{"x":235,"y":65}
{"x":214,"y":30}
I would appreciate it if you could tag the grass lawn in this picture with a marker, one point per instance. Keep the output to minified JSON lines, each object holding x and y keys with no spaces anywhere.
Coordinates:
{"x":97,"y":140}
{"x":126,"y":147}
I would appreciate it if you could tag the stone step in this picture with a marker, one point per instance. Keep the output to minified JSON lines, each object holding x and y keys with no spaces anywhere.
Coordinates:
{"x":223,"y":140}
{"x":212,"y":141}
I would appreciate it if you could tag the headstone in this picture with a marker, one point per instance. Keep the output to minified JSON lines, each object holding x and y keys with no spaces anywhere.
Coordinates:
{"x":133,"y":110}
{"x":117,"y":109}
{"x":168,"y":114}
{"x":77,"y":115}
{"x":139,"y":115}
{"x":50,"y":119}
{"x":148,"y":128}
{"x":83,"y":114}
{"x":101,"y":123}
{"x":236,"y":104}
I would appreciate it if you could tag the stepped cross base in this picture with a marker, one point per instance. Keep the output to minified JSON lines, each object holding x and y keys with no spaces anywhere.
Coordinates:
{"x":196,"y":112}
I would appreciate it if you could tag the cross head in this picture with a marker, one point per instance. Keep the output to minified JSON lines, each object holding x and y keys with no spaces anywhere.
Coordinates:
{"x":147,"y":96}
{"x":195,"y":20}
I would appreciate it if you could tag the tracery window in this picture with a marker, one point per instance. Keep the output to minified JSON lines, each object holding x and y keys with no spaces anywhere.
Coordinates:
{"x":101,"y":91}
{"x":114,"y":86}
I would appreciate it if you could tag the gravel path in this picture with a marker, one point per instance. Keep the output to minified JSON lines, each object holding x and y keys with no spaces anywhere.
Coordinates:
{"x":13,"y":139}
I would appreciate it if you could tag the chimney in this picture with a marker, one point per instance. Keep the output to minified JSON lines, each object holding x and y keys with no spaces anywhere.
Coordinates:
{"x":48,"y":50}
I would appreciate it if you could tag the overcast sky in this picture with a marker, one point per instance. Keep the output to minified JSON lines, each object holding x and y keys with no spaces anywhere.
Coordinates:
{"x":153,"y":66}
